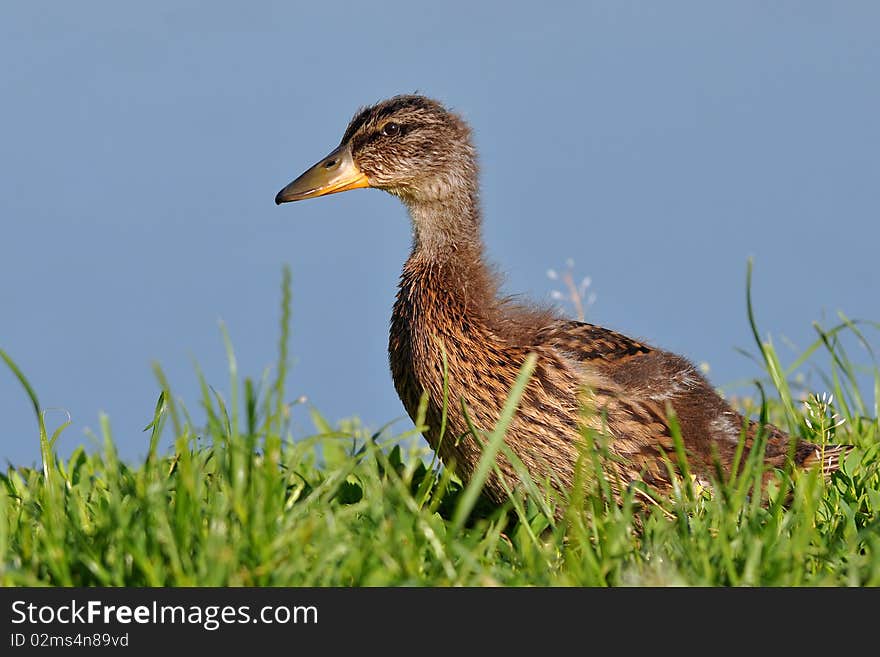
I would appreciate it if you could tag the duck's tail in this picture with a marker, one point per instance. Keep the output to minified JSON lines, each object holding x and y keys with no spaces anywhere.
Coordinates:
{"x":807,"y":455}
{"x":827,"y":457}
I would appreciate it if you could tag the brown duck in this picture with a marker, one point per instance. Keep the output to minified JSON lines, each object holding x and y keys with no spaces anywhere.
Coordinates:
{"x":586,"y":377}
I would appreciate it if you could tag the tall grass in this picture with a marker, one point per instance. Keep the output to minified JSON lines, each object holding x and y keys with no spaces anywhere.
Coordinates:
{"x":238,"y":501}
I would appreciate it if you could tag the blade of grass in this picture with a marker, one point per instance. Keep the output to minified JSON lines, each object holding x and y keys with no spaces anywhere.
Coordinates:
{"x":45,"y":445}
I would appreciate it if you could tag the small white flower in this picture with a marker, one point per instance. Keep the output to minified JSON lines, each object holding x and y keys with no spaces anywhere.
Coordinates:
{"x":577,"y":294}
{"x":820,"y":416}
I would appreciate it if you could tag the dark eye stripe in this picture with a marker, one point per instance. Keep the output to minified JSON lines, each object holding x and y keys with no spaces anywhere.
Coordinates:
{"x":360,"y":140}
{"x":376,"y":114}
{"x":370,"y":137}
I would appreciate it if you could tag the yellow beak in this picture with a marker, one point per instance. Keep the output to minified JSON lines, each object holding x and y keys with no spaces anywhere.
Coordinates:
{"x":335,"y":173}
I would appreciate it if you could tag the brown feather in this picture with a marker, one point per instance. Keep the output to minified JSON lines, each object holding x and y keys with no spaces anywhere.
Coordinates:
{"x":586,"y":377}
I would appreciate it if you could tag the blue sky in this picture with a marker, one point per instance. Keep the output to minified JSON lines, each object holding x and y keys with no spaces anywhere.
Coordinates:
{"x":659,"y":145}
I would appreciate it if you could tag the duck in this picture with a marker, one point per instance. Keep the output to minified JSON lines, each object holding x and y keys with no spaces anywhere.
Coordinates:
{"x":455,"y":339}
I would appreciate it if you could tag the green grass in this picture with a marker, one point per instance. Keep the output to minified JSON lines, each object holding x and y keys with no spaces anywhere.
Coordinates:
{"x":240,"y":502}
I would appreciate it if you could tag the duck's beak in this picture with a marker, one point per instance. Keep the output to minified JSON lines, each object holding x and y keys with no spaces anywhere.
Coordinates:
{"x":335,"y":173}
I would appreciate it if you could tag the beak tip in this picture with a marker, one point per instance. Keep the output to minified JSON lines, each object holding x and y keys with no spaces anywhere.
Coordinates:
{"x":279,"y":198}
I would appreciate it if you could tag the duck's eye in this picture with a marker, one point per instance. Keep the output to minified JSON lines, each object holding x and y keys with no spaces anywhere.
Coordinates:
{"x":391,"y":129}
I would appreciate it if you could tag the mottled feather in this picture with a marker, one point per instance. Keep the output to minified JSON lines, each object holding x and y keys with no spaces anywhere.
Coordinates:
{"x":587,"y":378}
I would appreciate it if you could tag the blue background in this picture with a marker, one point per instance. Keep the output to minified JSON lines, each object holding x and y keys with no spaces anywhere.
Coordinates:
{"x":657,"y":144}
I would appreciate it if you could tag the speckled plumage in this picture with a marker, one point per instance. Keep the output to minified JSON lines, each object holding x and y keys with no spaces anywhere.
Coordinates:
{"x":585,"y":377}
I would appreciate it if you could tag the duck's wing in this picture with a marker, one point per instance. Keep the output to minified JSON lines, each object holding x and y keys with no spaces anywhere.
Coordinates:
{"x":639,"y":372}
{"x":648,"y":381}
{"x":588,"y":342}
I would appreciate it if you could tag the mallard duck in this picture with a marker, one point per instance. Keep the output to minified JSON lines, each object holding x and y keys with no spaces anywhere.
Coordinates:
{"x":585,"y":378}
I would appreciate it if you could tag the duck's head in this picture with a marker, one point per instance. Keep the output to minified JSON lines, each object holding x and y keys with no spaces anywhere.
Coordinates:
{"x":410,"y":146}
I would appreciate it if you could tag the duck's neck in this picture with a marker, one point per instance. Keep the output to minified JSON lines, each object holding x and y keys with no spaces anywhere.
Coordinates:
{"x":447,"y":251}
{"x":446,"y":227}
